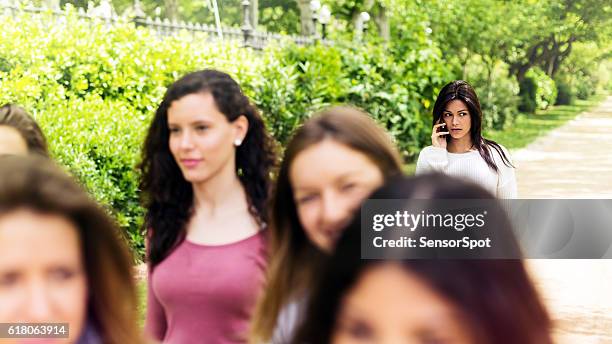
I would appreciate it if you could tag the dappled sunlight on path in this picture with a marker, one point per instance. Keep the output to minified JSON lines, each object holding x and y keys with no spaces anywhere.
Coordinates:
{"x":573,"y":161}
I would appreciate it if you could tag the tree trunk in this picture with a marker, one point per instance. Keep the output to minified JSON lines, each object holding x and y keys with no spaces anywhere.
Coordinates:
{"x":550,"y":65}
{"x":382,"y":21}
{"x":307,"y":26}
{"x":550,"y":60}
{"x":357,"y":26}
{"x":254,"y":15}
{"x":171,"y":7}
{"x":562,"y":55}
{"x":520,"y":75}
{"x":534,"y":55}
{"x":519,"y":70}
{"x":356,"y":21}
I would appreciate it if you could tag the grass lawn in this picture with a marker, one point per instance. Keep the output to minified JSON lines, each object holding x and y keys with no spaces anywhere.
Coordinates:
{"x":528,"y":127}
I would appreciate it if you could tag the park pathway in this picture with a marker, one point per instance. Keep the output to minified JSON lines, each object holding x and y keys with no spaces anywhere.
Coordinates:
{"x":573,"y":161}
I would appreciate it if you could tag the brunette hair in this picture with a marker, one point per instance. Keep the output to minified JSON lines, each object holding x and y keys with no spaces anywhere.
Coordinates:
{"x":168,"y":196}
{"x":37,"y":184}
{"x":293,"y":257}
{"x":18,"y":118}
{"x":461,"y":90}
{"x":496,"y":297}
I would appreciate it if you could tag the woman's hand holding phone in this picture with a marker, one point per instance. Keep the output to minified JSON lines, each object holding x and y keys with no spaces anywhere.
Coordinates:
{"x":438,"y":135}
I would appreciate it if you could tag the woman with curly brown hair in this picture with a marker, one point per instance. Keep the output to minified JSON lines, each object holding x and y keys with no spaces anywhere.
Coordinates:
{"x":206,"y":175}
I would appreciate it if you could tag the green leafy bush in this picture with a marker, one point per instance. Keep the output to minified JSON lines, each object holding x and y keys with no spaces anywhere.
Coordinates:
{"x":538,"y":91}
{"x":583,"y":71}
{"x":295,"y":81}
{"x":498,"y":93}
{"x":398,"y":93}
{"x":398,"y":90}
{"x":586,"y":85}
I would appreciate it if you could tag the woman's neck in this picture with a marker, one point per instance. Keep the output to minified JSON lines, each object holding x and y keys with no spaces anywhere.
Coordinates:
{"x":461,"y":145}
{"x":222,"y":191}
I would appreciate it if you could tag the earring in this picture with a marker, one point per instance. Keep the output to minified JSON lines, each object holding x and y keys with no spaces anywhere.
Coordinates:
{"x":237,"y":142}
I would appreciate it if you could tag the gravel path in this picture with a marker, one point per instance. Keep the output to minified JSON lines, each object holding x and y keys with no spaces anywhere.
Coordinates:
{"x":573,"y":161}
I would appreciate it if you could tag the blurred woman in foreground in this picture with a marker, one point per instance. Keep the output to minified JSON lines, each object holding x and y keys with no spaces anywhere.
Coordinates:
{"x":475,"y":301}
{"x":331,"y":164}
{"x":61,"y":257}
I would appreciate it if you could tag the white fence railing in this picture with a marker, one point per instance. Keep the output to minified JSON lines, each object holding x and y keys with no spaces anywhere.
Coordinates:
{"x":251,"y":38}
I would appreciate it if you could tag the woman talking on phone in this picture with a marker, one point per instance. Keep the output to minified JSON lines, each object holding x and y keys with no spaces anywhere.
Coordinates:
{"x":458,"y":148}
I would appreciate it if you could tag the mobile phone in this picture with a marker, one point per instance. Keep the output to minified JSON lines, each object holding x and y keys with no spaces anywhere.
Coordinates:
{"x":441,"y":128}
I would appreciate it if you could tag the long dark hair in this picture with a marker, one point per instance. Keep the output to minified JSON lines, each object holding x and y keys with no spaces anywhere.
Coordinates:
{"x":293,"y":257}
{"x":497,"y":297}
{"x":168,"y":196}
{"x":36,"y":183}
{"x":18,"y":118}
{"x":461,"y":90}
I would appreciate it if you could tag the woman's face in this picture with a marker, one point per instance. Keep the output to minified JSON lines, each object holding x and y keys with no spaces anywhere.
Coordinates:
{"x":329,"y":182}
{"x":11,"y":141}
{"x":457,"y":118}
{"x":389,"y":304}
{"x":42,"y":277}
{"x":201,"y":137}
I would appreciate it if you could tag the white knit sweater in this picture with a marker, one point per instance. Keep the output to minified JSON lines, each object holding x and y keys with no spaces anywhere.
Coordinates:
{"x":472,"y":167}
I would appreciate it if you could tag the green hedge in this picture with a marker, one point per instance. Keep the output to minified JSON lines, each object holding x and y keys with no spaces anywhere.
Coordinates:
{"x":94,"y":88}
{"x":398,"y":92}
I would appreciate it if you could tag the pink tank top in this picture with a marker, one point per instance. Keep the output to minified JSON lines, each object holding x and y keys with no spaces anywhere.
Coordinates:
{"x":205,"y":294}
